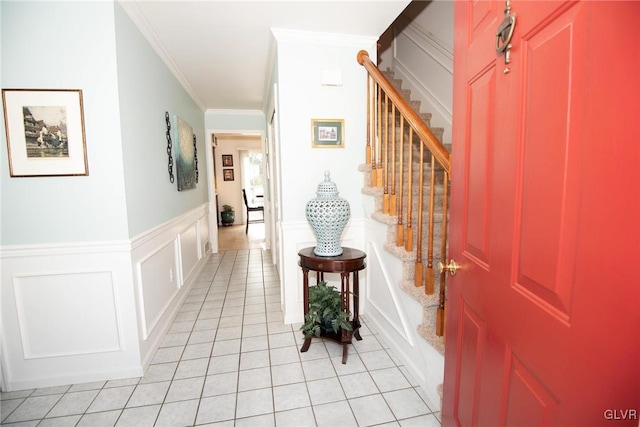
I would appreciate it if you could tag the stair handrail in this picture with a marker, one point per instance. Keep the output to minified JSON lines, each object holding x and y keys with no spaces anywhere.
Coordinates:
{"x":427,"y":137}
{"x":380,"y":93}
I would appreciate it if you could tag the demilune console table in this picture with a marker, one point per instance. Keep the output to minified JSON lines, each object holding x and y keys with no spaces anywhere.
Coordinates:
{"x":350,"y":262}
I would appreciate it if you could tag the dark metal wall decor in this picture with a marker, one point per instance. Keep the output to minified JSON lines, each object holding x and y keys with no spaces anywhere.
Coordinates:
{"x":195,"y":155}
{"x":169,"y":146}
{"x":186,"y":154}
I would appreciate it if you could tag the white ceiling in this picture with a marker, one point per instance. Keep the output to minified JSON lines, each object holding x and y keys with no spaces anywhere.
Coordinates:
{"x":220,"y":50}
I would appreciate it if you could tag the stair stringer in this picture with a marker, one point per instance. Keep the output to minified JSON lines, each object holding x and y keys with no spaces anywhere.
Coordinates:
{"x":397,"y":315}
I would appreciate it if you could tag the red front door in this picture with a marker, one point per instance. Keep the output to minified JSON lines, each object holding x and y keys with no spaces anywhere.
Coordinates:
{"x":542,"y":320}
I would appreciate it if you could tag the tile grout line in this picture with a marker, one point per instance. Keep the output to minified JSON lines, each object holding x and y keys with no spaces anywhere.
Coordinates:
{"x":185,"y":348}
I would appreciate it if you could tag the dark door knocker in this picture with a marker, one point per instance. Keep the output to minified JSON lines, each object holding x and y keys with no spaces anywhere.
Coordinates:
{"x":504,"y":35}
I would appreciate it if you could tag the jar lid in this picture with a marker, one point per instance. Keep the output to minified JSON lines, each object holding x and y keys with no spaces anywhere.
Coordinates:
{"x":327,"y":188}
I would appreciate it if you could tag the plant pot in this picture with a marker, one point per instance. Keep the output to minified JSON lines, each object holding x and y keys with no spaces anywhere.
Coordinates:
{"x":227,"y":218}
{"x":325,"y":326}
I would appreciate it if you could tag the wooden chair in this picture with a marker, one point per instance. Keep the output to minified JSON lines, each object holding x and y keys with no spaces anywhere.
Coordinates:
{"x":251,"y":209}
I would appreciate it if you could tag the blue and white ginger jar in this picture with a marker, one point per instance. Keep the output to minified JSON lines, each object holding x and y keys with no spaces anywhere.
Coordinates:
{"x":328,"y":215}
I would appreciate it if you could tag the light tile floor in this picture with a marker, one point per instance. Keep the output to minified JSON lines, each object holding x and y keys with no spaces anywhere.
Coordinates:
{"x":228,"y":360}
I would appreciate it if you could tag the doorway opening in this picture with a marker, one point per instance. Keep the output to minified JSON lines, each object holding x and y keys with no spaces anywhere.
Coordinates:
{"x":251,"y":161}
{"x":236,"y":164}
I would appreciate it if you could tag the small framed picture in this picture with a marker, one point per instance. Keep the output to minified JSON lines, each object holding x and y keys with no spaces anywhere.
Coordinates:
{"x":327,"y":133}
{"x":45,"y":132}
{"x":227,"y":160}
{"x":227,"y":174}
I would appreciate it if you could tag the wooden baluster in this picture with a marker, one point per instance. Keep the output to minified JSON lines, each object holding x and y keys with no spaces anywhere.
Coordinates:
{"x":375,"y":140}
{"x":419,"y":265}
{"x":385,"y":175}
{"x":408,"y":240}
{"x":382,"y":170}
{"x":392,"y":193}
{"x":429,"y":287}
{"x":399,"y":215}
{"x":370,"y":101}
{"x":440,"y":314}
{"x":378,"y":171}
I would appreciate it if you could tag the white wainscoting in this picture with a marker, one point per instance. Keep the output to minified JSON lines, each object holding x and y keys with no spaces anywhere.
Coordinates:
{"x":385,"y":300}
{"x":157,"y":285}
{"x":167,"y":259}
{"x":189,"y":252}
{"x":68,"y":314}
{"x":204,"y":241}
{"x":95,"y":311}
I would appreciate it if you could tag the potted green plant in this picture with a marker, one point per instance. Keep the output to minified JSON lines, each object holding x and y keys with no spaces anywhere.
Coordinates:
{"x":325,"y":315}
{"x":228,"y":215}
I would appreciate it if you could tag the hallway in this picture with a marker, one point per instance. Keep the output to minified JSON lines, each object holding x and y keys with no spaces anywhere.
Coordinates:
{"x":228,"y":360}
{"x":233,"y":238}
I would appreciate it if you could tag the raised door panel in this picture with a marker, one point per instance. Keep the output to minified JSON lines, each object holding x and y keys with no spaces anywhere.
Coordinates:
{"x":477,"y":179}
{"x":552,"y":122}
{"x":471,"y":341}
{"x":529,"y":402}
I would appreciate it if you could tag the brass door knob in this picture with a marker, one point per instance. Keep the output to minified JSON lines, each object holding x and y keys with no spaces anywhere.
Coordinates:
{"x":451,"y":267}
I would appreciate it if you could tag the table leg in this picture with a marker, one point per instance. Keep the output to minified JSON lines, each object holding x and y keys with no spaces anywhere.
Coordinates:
{"x":344,"y":291}
{"x":305,"y":291}
{"x":356,"y":305}
{"x":345,"y":296}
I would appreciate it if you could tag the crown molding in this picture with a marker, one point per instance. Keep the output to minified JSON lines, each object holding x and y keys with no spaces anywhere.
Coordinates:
{"x":135,"y":14}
